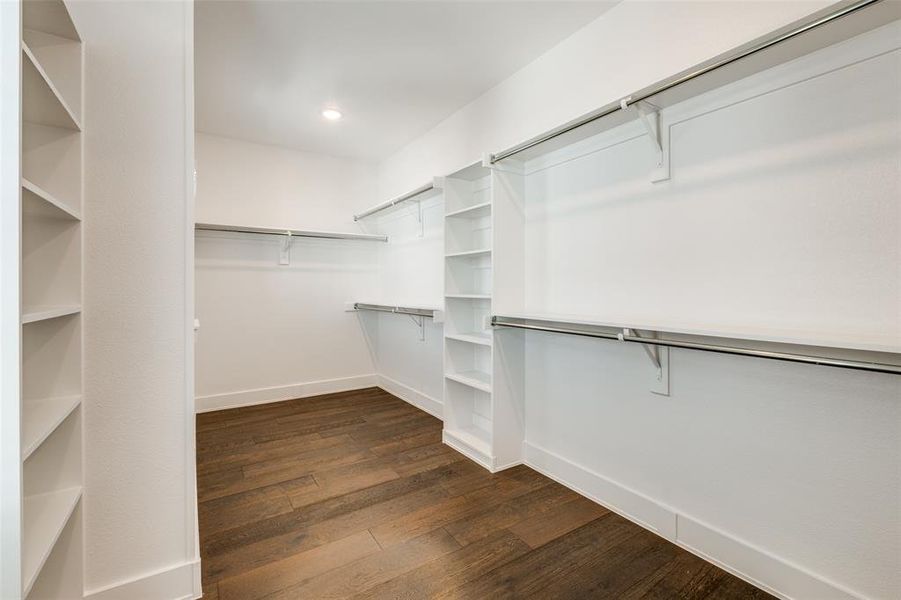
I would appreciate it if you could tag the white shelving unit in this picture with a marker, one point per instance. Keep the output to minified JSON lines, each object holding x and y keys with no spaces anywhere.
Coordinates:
{"x":51,"y":300}
{"x":473,"y":424}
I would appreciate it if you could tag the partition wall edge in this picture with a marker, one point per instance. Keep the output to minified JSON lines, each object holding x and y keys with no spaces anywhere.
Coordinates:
{"x":192,"y":534}
{"x":10,"y":340}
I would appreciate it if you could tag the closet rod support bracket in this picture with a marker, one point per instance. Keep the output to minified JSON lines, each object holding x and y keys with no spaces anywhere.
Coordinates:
{"x":659,"y":357}
{"x":285,"y":254}
{"x":649,"y":115}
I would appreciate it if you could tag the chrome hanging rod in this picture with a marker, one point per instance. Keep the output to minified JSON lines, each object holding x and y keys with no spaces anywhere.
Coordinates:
{"x":409,"y":195}
{"x":400,"y":310}
{"x":331,"y":235}
{"x":685,"y":76}
{"x":499,"y":321}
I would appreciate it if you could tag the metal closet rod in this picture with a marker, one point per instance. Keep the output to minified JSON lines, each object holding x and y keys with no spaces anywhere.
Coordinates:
{"x":668,"y":84}
{"x":783,"y":356}
{"x":331,"y":235}
{"x":411,"y":194}
{"x":400,"y":310}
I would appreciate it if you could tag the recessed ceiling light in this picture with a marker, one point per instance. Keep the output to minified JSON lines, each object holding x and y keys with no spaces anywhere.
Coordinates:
{"x":332,"y":114}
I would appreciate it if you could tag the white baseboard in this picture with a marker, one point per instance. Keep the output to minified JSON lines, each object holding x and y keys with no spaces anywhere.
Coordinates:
{"x":421,"y":401}
{"x":755,"y":565}
{"x":172,"y":583}
{"x":282,"y":392}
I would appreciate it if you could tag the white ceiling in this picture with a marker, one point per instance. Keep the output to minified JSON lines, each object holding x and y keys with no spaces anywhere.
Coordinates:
{"x":266,"y":69}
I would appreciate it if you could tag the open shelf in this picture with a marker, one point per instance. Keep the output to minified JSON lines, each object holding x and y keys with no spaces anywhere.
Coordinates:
{"x":45,"y":516}
{"x":51,"y":358}
{"x":472,"y":442}
{"x":469,"y":253}
{"x":43,"y":101}
{"x":59,"y":59}
{"x":475,"y":379}
{"x":33,"y":315}
{"x":477,"y":337}
{"x":477,"y":211}
{"x":469,"y":296}
{"x":41,"y":417}
{"x":38,"y":202}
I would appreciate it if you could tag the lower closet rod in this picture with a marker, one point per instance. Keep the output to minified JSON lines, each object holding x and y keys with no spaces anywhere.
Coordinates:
{"x":399,"y":310}
{"x":783,"y":356}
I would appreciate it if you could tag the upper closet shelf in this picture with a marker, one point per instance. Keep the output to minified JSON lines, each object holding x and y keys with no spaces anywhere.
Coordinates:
{"x":332,"y":235}
{"x":662,"y":337}
{"x":43,"y":102}
{"x":819,"y":30}
{"x":434,"y":185}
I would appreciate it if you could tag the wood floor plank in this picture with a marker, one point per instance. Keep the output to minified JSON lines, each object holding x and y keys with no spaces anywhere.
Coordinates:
{"x":373,"y":570}
{"x":452,"y":570}
{"x":353,"y":494}
{"x":297,"y":568}
{"x":570,"y":515}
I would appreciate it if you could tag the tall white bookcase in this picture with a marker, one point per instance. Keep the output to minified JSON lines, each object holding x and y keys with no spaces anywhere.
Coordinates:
{"x":50,"y":303}
{"x":482,"y":406}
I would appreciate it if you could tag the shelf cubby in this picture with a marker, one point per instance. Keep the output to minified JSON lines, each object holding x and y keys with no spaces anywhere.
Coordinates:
{"x":51,"y":358}
{"x":46,"y":517}
{"x":51,"y":256}
{"x":51,"y":165}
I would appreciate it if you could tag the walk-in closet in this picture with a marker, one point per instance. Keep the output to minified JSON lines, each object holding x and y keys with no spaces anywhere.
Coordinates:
{"x":437,"y":299}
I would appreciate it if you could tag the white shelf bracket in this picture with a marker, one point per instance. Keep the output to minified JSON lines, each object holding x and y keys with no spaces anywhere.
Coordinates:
{"x":649,"y":115}
{"x":659,"y":358}
{"x":420,"y":322}
{"x":285,"y":254}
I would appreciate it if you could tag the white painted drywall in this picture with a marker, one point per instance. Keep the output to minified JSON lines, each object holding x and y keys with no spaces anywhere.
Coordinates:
{"x":268,"y":331}
{"x":138,"y":417}
{"x":631,"y":46}
{"x":797,"y":463}
{"x":411,"y":273}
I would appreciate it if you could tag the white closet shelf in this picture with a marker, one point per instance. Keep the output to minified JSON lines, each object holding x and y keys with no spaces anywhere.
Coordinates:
{"x":60,"y":114}
{"x":45,"y":517}
{"x":49,"y":206}
{"x":475,"y":379}
{"x":44,"y":313}
{"x":469,"y":253}
{"x":471,"y":212}
{"x":41,"y":417}
{"x":469,"y":296}
{"x":476,"y":337}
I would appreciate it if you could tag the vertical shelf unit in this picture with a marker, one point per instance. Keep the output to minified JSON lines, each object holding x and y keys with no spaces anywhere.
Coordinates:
{"x":51,"y":301}
{"x":477,"y":421}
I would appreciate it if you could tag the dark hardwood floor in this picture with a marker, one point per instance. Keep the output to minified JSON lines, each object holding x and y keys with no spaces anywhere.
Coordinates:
{"x":354,"y":495}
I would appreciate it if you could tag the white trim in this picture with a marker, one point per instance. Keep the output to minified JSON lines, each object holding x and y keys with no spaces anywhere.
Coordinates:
{"x":757,"y":566}
{"x":433,"y":406}
{"x":170,"y":583}
{"x":282,"y":392}
{"x":192,"y":535}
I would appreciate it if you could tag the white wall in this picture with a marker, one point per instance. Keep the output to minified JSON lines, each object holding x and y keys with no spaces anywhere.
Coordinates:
{"x":139,"y":516}
{"x":631,"y":46}
{"x":785,"y":472}
{"x":268,"y":331}
{"x":411,"y":273}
